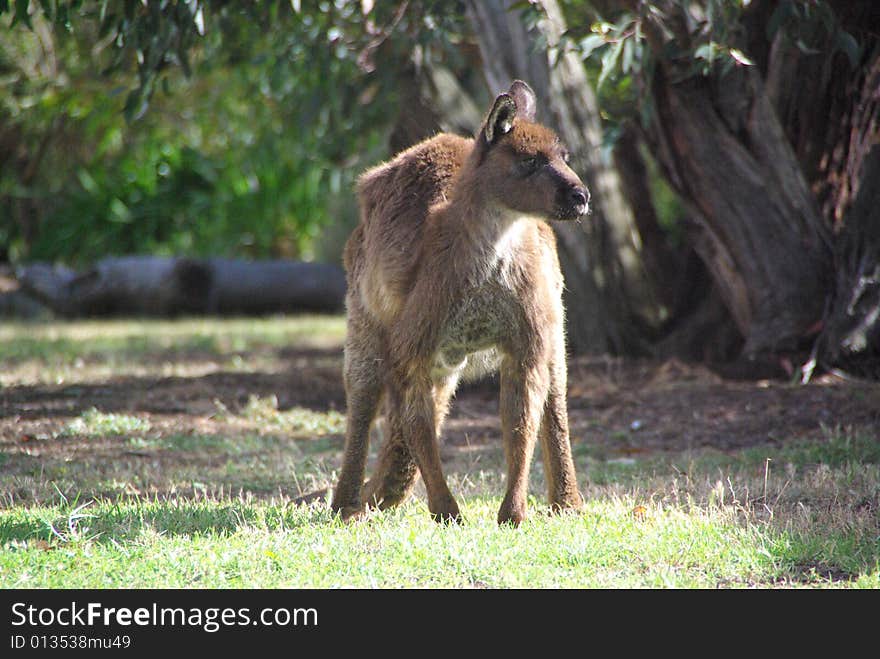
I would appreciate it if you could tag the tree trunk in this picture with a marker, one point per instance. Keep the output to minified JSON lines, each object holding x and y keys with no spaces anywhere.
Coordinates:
{"x":851,"y":335}
{"x":159,"y":286}
{"x":760,"y":232}
{"x":609,"y":295}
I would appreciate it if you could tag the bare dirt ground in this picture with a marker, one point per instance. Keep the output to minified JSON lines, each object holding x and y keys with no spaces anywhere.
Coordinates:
{"x":617,"y":407}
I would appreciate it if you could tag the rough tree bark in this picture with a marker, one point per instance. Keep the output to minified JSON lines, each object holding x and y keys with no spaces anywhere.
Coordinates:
{"x":780,"y":163}
{"x":851,"y":337}
{"x":832,"y":118}
{"x":698,"y":326}
{"x":761,"y":233}
{"x":609,"y":296}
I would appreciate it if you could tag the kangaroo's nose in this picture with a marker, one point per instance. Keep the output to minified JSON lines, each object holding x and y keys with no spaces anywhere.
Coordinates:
{"x":573,"y":201}
{"x":579,"y":196}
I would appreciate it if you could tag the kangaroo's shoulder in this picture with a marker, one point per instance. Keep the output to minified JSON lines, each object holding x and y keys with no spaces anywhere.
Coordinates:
{"x":422,"y":173}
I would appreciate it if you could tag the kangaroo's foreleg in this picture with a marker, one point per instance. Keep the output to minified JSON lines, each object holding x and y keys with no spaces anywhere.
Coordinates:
{"x":562,"y":488}
{"x":523,"y":396}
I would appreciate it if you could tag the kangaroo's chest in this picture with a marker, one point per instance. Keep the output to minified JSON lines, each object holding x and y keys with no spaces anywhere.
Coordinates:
{"x":489,"y":315}
{"x":493,"y":312}
{"x":485,"y":318}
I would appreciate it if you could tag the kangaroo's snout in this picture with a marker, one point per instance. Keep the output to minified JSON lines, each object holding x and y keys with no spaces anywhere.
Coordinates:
{"x":580,"y":200}
{"x":573,"y":202}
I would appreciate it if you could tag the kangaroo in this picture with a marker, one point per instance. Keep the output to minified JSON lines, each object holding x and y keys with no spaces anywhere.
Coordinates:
{"x":452,"y":272}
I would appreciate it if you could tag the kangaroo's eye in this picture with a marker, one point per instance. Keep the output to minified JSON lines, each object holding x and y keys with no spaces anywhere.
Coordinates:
{"x":529,"y":165}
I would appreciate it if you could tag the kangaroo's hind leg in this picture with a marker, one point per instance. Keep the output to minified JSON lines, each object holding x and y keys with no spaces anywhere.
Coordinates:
{"x":363,"y":391}
{"x":396,"y":471}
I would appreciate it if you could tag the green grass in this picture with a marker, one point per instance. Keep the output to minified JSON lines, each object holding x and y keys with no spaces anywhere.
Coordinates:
{"x":93,"y":423}
{"x":654,"y":525}
{"x":58,"y":351}
{"x":126,"y":337}
{"x":239,"y":543}
{"x":112,"y":499}
{"x":295,"y":422}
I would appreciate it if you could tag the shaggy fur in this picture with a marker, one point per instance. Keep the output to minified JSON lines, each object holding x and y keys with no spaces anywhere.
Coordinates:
{"x":453,"y":271}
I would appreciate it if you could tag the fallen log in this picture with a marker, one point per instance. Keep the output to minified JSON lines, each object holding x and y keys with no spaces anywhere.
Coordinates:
{"x":168,"y":286}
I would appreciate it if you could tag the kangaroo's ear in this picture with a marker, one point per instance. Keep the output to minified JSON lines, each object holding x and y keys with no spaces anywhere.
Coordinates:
{"x":500,"y":119}
{"x":524,"y":98}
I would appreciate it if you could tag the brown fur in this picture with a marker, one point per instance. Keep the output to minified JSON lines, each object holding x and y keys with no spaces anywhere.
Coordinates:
{"x":452,"y":271}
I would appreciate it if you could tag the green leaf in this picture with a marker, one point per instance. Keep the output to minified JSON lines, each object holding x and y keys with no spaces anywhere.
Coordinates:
{"x":847,"y":43}
{"x":119,"y":212}
{"x":740,"y":57}
{"x":21,"y":13}
{"x":706,"y":52}
{"x":805,"y":49}
{"x":591,"y":43}
{"x":609,"y":61}
{"x":135,"y":105}
{"x":601,"y":27}
{"x":87,"y":181}
{"x":779,"y":17}
{"x":626,"y":64}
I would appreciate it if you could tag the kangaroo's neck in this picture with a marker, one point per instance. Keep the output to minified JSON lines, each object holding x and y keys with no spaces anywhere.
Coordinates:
{"x":481,"y":224}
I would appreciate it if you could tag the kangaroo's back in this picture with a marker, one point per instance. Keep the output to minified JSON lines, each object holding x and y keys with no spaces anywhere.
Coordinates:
{"x":394,"y":200}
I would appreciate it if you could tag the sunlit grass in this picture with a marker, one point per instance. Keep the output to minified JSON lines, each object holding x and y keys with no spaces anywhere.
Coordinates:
{"x":743,"y":525}
{"x":93,"y":423}
{"x":62,"y":351}
{"x":263,"y":413}
{"x":617,"y":541}
{"x":79,"y":338}
{"x":127,"y":498}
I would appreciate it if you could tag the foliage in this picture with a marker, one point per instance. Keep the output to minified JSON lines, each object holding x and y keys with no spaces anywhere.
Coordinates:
{"x":808,"y":25}
{"x":259,"y":116}
{"x":621,"y":42}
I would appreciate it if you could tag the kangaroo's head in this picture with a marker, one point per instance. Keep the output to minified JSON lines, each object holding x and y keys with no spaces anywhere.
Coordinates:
{"x":523,"y":165}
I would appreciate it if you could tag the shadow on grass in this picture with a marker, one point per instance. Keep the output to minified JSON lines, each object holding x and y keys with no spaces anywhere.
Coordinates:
{"x":811,"y":559}
{"x":316,"y":385}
